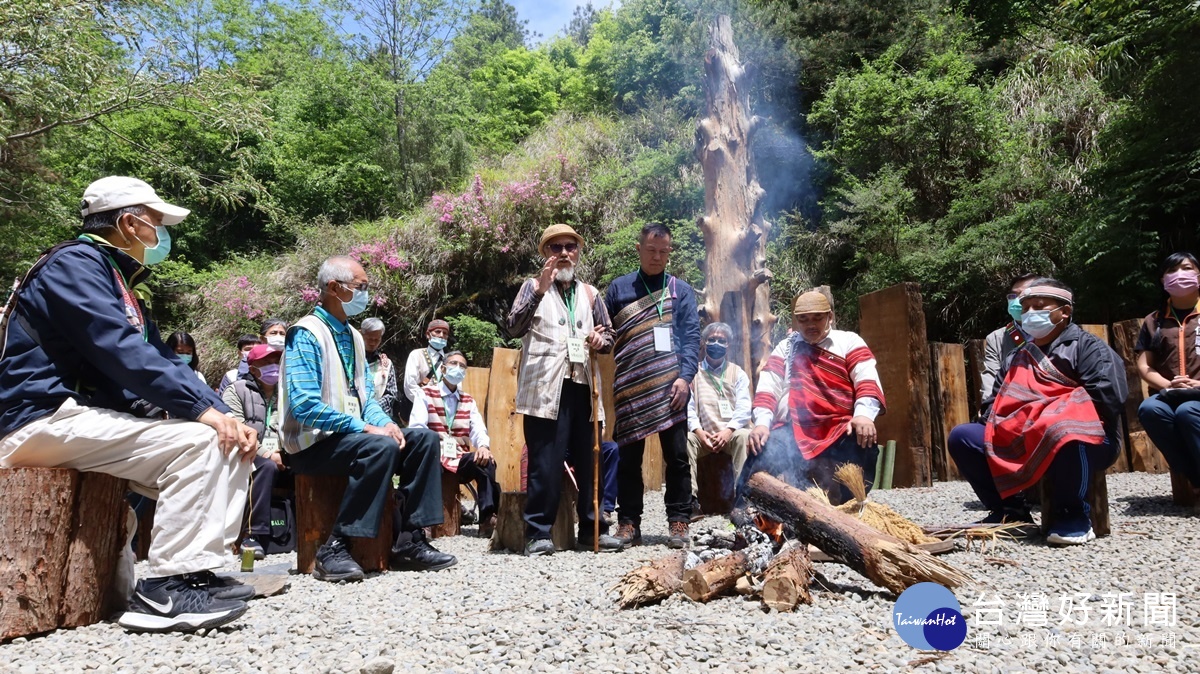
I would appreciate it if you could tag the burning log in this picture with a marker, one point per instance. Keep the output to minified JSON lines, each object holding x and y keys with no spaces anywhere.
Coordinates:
{"x":887,"y":561}
{"x":786,"y":581}
{"x":714,"y":578}
{"x":652,"y":583}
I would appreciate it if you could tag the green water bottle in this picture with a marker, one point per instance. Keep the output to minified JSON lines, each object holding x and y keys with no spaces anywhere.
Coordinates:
{"x":247,"y":560}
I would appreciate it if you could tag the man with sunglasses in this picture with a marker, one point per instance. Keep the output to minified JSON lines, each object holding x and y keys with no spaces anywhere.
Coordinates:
{"x":333,"y":425}
{"x":719,"y":409}
{"x":562,"y":323}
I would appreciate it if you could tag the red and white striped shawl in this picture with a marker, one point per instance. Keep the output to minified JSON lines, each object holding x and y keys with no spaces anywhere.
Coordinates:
{"x":823,"y":383}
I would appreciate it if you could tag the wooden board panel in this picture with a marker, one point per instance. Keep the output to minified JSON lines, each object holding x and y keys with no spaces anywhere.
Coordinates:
{"x":652,"y":465}
{"x":608,"y":373}
{"x":1124,"y":336}
{"x":476,"y":385}
{"x":503,"y":422}
{"x":974,"y":354}
{"x":948,"y":403}
{"x":1098,"y":330}
{"x":892,"y":322}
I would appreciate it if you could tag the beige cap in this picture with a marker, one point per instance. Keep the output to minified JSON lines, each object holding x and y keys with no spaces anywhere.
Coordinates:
{"x":811,"y":302}
{"x":113,"y":192}
{"x":553,"y":232}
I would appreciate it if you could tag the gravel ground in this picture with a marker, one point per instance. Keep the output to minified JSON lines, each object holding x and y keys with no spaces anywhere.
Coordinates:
{"x":502,"y":612}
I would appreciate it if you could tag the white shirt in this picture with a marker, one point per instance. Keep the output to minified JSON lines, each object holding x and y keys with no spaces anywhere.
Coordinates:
{"x":741,"y":402}
{"x":416,"y":368}
{"x":420,"y":416}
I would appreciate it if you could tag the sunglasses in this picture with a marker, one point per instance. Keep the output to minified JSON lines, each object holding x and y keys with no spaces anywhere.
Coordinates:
{"x":560,"y":248}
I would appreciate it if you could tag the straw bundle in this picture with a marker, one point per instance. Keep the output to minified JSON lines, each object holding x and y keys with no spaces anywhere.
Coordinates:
{"x":876,"y":515}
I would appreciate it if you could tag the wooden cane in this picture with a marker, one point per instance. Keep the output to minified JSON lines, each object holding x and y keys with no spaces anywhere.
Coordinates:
{"x":595,"y":455}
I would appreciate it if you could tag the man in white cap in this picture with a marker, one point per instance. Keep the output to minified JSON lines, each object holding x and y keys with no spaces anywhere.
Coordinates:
{"x":78,"y":353}
{"x":816,"y":404}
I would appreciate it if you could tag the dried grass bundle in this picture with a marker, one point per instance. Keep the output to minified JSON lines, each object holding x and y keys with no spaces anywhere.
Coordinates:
{"x":876,"y":515}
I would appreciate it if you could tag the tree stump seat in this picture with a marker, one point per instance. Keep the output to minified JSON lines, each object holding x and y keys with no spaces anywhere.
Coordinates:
{"x":510,"y":520}
{"x":1097,"y":498}
{"x":62,"y":533}
{"x":1182,"y":491}
{"x":318,"y":498}
{"x":715,"y":483}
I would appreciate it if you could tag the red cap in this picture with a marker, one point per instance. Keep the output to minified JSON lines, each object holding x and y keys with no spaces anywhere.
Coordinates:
{"x":263,"y":352}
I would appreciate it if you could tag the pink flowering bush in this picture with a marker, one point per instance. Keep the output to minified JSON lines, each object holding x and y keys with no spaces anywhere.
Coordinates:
{"x":238,"y":296}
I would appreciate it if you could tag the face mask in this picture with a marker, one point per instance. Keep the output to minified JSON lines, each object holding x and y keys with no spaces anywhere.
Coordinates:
{"x":438,"y":343}
{"x":276,"y":341}
{"x":357,"y":303}
{"x":185,"y":357}
{"x":716,"y":351}
{"x":269,"y":374}
{"x":1037,"y":323}
{"x":161,"y":250}
{"x":1014,"y":310}
{"x":455,"y":375}
{"x":1181,"y":283}
{"x":243,"y":366}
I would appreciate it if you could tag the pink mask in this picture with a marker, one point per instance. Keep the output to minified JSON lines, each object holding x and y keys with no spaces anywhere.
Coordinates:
{"x":1181,"y":283}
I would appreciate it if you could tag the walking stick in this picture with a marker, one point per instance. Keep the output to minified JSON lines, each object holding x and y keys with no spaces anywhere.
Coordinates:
{"x":595,"y":455}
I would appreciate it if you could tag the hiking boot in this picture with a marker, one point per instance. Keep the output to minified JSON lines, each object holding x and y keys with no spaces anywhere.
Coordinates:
{"x":419,"y":555}
{"x":697,"y":511}
{"x":250,"y":543}
{"x":220,"y":587}
{"x":607,"y":543}
{"x":628,"y":534}
{"x":487,"y":527}
{"x":334,"y":563}
{"x":173,"y":604}
{"x":677,"y":535}
{"x":539,"y":547}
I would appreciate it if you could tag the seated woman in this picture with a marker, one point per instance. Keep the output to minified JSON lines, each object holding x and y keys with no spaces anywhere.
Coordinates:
{"x":1055,"y":413}
{"x":185,"y":348}
{"x":252,"y":400}
{"x":1168,"y":349}
{"x":816,"y":404}
{"x":447,"y":410}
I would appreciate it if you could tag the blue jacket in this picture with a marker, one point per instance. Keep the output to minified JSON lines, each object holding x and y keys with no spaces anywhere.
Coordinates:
{"x":86,"y":348}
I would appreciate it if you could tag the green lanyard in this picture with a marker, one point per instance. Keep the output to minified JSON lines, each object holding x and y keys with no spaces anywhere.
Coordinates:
{"x":569,"y":302}
{"x":347,"y":365}
{"x":717,"y":383}
{"x":661,"y":298}
{"x":267,"y":423}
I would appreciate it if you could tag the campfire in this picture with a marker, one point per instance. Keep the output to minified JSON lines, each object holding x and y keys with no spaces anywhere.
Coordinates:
{"x":765,"y":551}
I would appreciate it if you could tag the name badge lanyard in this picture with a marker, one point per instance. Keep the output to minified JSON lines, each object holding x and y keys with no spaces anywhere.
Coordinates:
{"x":576,"y":351}
{"x":347,"y":365}
{"x":717,"y":382}
{"x":132,"y":310}
{"x":661,"y":298}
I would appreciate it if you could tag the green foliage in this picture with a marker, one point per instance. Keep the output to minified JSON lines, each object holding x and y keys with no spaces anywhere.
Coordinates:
{"x":476,"y":339}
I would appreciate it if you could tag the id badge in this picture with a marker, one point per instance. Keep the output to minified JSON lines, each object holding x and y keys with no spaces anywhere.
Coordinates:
{"x":662,"y":338}
{"x":270,"y":444}
{"x":725,"y":409}
{"x":449,"y":448}
{"x":353,"y":408}
{"x":576,"y":350}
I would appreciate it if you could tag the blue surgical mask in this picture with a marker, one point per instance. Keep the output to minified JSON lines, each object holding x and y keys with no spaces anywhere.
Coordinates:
{"x":437,"y":343}
{"x":1014,"y":310}
{"x":185,"y":357}
{"x":1037,"y":323}
{"x":357,"y":303}
{"x":455,"y":375}
{"x":161,"y":250}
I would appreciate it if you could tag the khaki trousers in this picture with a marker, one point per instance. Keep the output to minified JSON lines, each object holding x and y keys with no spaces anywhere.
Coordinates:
{"x":200,"y":491}
{"x":735,"y":448}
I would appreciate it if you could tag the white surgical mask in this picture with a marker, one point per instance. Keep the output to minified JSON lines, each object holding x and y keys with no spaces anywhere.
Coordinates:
{"x":455,"y":375}
{"x":1037,"y":322}
{"x":276,"y":341}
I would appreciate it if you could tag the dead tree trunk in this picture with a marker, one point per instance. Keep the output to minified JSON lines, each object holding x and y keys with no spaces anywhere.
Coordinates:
{"x":786,"y":580}
{"x":652,"y":583}
{"x":737,"y":289}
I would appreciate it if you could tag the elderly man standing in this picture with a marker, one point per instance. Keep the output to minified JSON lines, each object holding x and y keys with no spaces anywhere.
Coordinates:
{"x":424,"y":365}
{"x":816,"y":404}
{"x":379,"y":367}
{"x":719,"y":408}
{"x":79,"y":352}
{"x":657,"y":349}
{"x":333,"y":425}
{"x":561,"y":322}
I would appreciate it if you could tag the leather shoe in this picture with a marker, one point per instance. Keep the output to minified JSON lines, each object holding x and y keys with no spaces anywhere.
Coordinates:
{"x":419,"y":555}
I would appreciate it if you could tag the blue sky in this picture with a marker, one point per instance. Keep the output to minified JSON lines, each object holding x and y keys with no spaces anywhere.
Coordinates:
{"x":551,"y":16}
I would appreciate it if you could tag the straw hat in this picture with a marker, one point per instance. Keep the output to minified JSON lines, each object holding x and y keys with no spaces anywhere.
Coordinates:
{"x":554,"y":231}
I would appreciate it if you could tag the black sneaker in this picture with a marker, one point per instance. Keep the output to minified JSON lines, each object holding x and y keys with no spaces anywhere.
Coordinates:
{"x":334,"y":563}
{"x":173,"y":604}
{"x":419,"y":555}
{"x":220,"y":587}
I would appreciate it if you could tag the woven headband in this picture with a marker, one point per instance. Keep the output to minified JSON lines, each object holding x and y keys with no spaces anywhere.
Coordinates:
{"x":1049,"y":291}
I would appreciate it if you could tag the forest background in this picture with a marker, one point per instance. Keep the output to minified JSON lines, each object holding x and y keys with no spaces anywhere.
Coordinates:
{"x":955,"y":143}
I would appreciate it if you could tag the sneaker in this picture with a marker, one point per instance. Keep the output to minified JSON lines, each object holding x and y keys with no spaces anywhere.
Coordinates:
{"x":607,"y":543}
{"x":249,"y":543}
{"x":1065,"y":537}
{"x":173,"y":604}
{"x":487,"y":527}
{"x":334,"y":563}
{"x":419,"y":555}
{"x":697,"y":511}
{"x":628,"y":534}
{"x":608,"y":518}
{"x":539,"y":547}
{"x":678,"y":537}
{"x":220,"y":587}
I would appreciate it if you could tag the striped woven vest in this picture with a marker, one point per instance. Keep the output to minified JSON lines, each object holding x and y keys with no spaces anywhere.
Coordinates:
{"x":460,"y":427}
{"x":707,"y":396}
